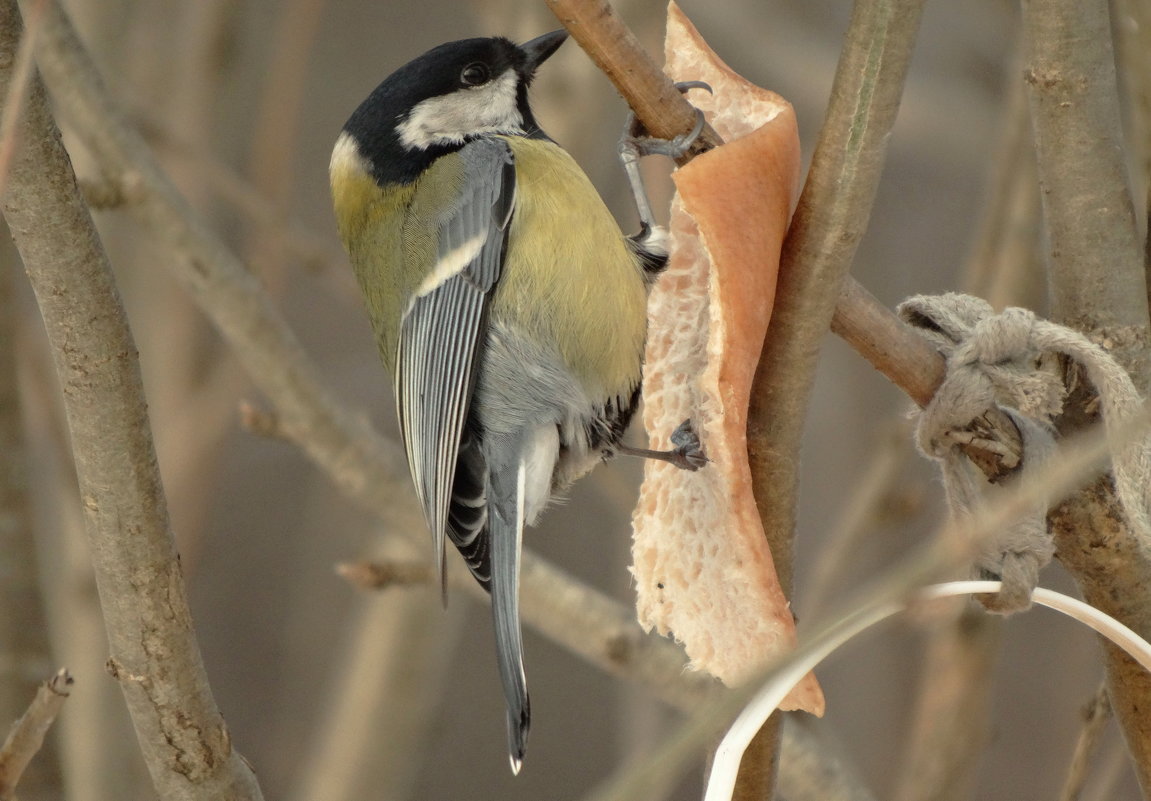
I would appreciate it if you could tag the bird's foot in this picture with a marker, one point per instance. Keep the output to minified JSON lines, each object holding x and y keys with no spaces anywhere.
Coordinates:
{"x":686,"y":455}
{"x":635,"y":144}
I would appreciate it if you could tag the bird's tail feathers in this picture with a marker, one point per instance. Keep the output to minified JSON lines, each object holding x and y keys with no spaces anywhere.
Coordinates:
{"x":506,"y":527}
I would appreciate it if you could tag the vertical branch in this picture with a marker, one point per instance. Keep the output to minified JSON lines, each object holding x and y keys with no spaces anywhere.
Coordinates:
{"x":154,"y":651}
{"x":1097,"y":284}
{"x":1095,"y":257}
{"x":828,"y":223}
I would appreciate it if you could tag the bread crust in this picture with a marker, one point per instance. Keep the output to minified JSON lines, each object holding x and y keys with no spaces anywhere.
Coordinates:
{"x":702,"y":565}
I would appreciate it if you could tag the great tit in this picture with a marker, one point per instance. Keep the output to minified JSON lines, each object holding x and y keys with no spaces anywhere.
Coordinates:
{"x":506,"y":303}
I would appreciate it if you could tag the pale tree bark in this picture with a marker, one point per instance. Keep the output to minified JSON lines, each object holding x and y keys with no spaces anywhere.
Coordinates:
{"x":154,"y":652}
{"x":1098,"y":286}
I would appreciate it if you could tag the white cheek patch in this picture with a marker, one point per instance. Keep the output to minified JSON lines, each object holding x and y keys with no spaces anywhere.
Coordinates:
{"x":451,"y":263}
{"x":447,"y":119}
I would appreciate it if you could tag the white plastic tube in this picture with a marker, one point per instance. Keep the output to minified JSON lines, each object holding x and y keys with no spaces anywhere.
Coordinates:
{"x":728,"y":755}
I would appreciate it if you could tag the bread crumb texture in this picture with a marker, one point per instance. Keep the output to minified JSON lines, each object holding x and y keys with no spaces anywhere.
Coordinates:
{"x":702,"y":566}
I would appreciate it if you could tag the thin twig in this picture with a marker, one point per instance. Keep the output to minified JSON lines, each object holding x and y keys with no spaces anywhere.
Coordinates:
{"x":1096,"y":715}
{"x":27,"y":734}
{"x":181,"y":732}
{"x":825,"y":230}
{"x":662,"y":109}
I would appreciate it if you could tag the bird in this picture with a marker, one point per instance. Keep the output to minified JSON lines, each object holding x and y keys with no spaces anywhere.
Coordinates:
{"x":506,"y":303}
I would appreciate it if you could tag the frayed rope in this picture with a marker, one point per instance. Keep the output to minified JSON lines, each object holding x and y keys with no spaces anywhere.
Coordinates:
{"x":1008,"y":361}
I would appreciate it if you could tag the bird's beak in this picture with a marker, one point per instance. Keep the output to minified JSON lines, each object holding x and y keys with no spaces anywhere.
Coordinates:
{"x":538,"y":49}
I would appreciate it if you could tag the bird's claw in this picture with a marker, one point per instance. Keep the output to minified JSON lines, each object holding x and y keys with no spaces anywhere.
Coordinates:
{"x":635,"y":143}
{"x":688,"y":451}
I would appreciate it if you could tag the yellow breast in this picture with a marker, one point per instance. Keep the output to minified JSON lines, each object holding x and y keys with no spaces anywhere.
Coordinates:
{"x":573,"y":281}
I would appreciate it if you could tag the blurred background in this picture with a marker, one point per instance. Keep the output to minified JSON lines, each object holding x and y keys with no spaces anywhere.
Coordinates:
{"x":242,"y":102}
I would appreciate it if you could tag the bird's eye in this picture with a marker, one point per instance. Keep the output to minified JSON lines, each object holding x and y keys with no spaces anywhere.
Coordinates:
{"x":475,"y":74}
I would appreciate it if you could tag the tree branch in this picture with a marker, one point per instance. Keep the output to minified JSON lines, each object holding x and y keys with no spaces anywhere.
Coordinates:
{"x":1095,"y":256}
{"x":27,"y":735}
{"x":825,"y":230}
{"x":1097,"y":285}
{"x":1096,"y":714}
{"x":155,"y":654}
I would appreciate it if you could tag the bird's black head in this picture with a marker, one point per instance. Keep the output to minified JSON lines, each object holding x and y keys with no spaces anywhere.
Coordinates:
{"x":450,"y":94}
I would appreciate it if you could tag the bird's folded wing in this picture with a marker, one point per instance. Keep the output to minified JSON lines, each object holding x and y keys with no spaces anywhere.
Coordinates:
{"x":442,"y":333}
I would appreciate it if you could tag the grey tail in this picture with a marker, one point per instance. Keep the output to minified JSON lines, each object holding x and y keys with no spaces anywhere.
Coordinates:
{"x":505,"y":528}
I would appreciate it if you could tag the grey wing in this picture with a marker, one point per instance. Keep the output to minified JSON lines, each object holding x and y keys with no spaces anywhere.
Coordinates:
{"x":441,"y":338}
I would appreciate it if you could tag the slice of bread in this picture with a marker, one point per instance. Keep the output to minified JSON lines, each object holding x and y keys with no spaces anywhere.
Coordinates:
{"x":702,"y":565}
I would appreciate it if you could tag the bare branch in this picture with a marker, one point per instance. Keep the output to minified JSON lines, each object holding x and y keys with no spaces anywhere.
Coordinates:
{"x":1097,"y":285}
{"x":181,"y":732}
{"x":27,"y":734}
{"x":825,"y":230}
{"x":1096,"y":715}
{"x":661,"y":108}
{"x":1095,"y":258}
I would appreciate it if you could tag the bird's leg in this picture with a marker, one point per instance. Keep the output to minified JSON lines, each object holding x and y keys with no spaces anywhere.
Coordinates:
{"x":635,"y":144}
{"x":686,"y":455}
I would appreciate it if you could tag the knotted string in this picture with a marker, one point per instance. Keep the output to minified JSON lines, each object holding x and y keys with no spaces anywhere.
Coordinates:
{"x":1009,"y":361}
